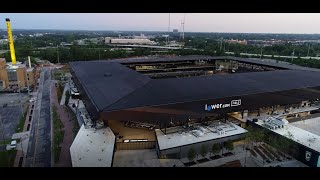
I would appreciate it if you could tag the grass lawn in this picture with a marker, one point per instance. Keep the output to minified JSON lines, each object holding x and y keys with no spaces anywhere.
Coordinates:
{"x":22,"y":120}
{"x":4,"y":142}
{"x":58,"y":133}
{"x":74,"y":120}
{"x":7,"y":158}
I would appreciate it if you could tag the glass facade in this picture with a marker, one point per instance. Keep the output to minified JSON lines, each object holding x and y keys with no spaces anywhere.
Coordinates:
{"x":12,"y":75}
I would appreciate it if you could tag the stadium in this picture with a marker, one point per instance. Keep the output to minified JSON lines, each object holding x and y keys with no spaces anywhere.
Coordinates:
{"x":174,"y":103}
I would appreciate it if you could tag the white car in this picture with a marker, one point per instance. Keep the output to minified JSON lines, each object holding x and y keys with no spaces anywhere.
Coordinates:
{"x":13,"y":144}
{"x":32,"y":99}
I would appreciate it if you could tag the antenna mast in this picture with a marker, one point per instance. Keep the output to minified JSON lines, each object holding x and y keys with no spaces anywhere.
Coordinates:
{"x":184,"y":19}
{"x":168,"y":31}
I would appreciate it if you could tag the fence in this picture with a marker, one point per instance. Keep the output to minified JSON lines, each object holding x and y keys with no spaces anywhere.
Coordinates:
{"x":135,"y":145}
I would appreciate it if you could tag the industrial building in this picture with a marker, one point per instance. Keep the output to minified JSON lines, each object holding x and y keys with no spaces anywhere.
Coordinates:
{"x":175,"y":103}
{"x":15,"y":75}
{"x":129,"y":40}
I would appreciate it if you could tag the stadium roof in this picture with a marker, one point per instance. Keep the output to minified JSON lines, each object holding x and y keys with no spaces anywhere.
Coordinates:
{"x":112,"y":86}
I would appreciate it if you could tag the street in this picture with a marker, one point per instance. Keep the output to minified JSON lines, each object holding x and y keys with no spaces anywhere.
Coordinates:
{"x":39,"y":147}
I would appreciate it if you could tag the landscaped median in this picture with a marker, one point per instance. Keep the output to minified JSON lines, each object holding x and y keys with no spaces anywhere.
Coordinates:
{"x":7,"y":158}
{"x":22,"y":120}
{"x":58,"y":133}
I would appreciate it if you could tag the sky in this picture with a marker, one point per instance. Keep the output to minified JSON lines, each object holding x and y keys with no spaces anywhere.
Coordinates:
{"x":304,"y":23}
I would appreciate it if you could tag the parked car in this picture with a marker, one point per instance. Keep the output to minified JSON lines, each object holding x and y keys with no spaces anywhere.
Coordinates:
{"x":13,"y":144}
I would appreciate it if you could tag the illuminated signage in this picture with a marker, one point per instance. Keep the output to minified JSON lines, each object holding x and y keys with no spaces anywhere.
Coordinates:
{"x":221,"y":106}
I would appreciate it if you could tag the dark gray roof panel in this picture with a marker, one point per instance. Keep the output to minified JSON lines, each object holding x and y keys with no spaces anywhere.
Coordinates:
{"x":105,"y":90}
{"x":267,"y":62}
{"x":168,"y":91}
{"x":160,"y":59}
{"x":126,"y":88}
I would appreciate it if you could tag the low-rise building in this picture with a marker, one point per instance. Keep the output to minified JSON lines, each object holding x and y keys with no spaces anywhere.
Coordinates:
{"x":135,"y":40}
{"x":15,"y":76}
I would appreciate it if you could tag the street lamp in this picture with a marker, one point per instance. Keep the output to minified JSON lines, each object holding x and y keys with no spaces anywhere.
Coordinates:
{"x":205,"y":47}
{"x":20,"y":99}
{"x":308,"y":50}
{"x":58,"y":53}
{"x":292,"y":55}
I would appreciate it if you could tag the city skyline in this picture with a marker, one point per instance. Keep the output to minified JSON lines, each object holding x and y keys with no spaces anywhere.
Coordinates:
{"x":299,"y":23}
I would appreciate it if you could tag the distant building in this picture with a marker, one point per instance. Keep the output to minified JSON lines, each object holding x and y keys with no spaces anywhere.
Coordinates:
{"x":135,"y":40}
{"x":237,"y":41}
{"x":131,"y":41}
{"x":107,"y":40}
{"x":142,"y":36}
{"x":175,"y":31}
{"x":3,"y":41}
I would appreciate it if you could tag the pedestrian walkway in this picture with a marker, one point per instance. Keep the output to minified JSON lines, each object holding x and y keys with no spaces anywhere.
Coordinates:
{"x":65,"y":158}
{"x":63,"y":98}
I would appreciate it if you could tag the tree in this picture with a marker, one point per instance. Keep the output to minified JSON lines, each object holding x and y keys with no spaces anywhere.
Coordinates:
{"x":254,"y":135}
{"x":249,"y":136}
{"x":203,"y":150}
{"x":229,"y":145}
{"x":67,"y":98}
{"x":259,"y":135}
{"x":290,"y":135}
{"x":191,"y":154}
{"x":215,"y":148}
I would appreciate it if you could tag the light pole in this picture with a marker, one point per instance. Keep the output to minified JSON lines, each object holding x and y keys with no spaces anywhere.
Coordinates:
{"x":27,"y":77}
{"x":21,"y":147}
{"x":292,"y":55}
{"x":221,"y":44}
{"x":205,"y":46}
{"x":261,"y":53}
{"x":20,"y":99}
{"x":58,"y":53}
{"x":245,"y":159}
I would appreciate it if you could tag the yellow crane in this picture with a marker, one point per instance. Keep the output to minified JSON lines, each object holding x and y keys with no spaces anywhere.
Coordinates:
{"x":10,"y":39}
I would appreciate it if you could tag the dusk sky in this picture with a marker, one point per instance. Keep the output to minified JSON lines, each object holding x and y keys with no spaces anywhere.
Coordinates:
{"x":194,"y":22}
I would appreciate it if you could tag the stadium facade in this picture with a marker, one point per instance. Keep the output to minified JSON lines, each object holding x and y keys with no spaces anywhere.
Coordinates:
{"x":171,"y":92}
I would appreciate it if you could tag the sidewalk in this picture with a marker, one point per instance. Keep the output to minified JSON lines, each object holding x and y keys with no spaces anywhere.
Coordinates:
{"x":65,"y":157}
{"x":63,"y":98}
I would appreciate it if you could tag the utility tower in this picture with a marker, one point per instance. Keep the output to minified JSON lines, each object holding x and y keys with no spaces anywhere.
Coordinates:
{"x":182,"y":26}
{"x":168,"y":31}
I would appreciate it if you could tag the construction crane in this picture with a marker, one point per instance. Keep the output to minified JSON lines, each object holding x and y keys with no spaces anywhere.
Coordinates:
{"x":10,"y":39}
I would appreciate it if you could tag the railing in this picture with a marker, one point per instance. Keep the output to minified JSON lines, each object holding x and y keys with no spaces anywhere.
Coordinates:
{"x":135,"y":145}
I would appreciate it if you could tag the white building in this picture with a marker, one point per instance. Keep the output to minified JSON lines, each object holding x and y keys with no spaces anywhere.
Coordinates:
{"x":136,"y":40}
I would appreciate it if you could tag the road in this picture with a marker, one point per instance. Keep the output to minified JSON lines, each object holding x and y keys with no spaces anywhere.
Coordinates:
{"x":39,"y":147}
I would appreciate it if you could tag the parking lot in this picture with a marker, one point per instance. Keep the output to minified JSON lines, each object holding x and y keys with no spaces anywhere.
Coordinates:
{"x":10,"y":111}
{"x":12,"y":99}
